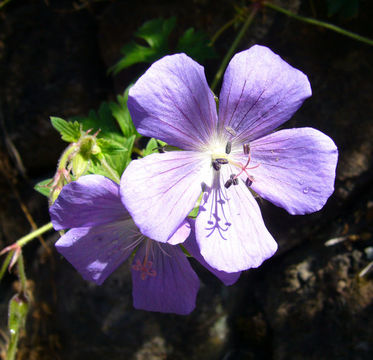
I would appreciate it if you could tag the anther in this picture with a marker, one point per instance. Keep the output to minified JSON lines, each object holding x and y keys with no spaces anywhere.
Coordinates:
{"x":228,"y":147}
{"x":234,"y":179}
{"x":246,"y":149}
{"x":228,"y":183}
{"x":248,"y":182}
{"x":161,"y":149}
{"x":216,"y":165}
{"x":222,"y":161}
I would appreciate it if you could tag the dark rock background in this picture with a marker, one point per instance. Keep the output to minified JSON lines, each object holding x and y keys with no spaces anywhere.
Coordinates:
{"x":307,"y":302}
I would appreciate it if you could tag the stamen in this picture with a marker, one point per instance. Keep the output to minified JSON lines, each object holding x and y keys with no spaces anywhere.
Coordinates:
{"x":248,"y":182}
{"x":228,"y":183}
{"x":146,"y":266}
{"x":234,"y":179}
{"x":228,"y":147}
{"x":145,"y":269}
{"x":222,"y":161}
{"x":216,"y":165}
{"x":246,"y":149}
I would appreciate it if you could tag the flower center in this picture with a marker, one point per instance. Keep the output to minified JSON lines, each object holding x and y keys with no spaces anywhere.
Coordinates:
{"x":220,"y":158}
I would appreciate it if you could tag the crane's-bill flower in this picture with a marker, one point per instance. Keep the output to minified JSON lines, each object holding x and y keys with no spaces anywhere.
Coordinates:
{"x":102,"y":236}
{"x":225,"y":154}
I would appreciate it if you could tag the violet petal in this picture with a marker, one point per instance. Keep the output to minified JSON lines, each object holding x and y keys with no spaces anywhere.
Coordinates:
{"x":165,"y":282}
{"x":96,"y":252}
{"x":160,"y":190}
{"x":192,"y":247}
{"x":91,"y":200}
{"x":172,"y":102}
{"x":230,"y":231}
{"x":297,"y":169}
{"x":260,"y":92}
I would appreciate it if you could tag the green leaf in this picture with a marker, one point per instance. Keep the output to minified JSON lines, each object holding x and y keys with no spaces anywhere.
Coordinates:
{"x":122,"y":115}
{"x":70,"y":131}
{"x":42,"y":187}
{"x":345,"y":8}
{"x":196,"y":45}
{"x":129,"y":144}
{"x":151,"y":147}
{"x":155,"y":33}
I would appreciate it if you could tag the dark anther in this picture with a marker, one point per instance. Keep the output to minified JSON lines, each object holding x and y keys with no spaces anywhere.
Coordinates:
{"x":161,"y":149}
{"x":248,"y":182}
{"x":234,"y":179}
{"x":228,"y":147}
{"x":222,"y":161}
{"x":246,"y":149}
{"x":216,"y":165}
{"x":228,"y":183}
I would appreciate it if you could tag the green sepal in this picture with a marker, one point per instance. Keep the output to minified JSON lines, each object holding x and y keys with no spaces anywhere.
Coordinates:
{"x":43,"y":188}
{"x":80,"y":164}
{"x":151,"y":147}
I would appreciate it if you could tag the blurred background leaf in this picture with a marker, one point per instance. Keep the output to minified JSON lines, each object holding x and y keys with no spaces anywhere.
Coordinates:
{"x":156,"y":34}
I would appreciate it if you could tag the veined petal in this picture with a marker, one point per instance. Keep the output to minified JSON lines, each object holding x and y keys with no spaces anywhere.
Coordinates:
{"x":192,"y":247}
{"x":260,"y":92}
{"x":163,"y":279}
{"x":230,"y":231}
{"x":297,"y":169}
{"x":95,"y":252}
{"x":89,"y":201}
{"x":160,"y":190}
{"x":172,"y":102}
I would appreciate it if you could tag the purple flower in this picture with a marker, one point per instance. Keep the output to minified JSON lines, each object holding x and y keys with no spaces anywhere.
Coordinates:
{"x":227,"y":154}
{"x":102,"y":236}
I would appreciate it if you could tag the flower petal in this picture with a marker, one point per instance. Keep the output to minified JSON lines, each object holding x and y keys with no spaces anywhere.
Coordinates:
{"x":160,"y":190}
{"x":163,"y":279}
{"x":230,"y":230}
{"x":297,"y":169}
{"x":180,"y":234}
{"x":96,"y":252}
{"x":89,"y":201}
{"x":260,"y":92}
{"x":192,"y":247}
{"x":172,"y":102}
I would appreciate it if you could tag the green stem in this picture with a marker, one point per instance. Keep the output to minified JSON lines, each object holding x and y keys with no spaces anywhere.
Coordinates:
{"x":6,"y":263}
{"x":3,"y":3}
{"x":320,"y":23}
{"x":21,"y":272}
{"x":65,"y":157}
{"x":12,"y":349}
{"x":25,"y":239}
{"x":233,"y":47}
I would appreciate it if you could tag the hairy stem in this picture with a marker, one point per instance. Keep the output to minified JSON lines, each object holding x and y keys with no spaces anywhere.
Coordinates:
{"x":25,"y":239}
